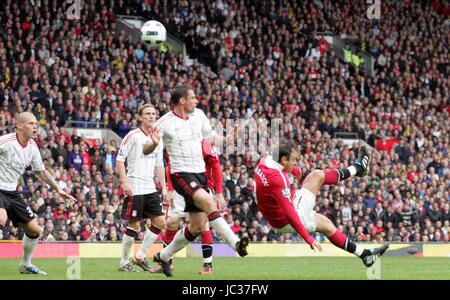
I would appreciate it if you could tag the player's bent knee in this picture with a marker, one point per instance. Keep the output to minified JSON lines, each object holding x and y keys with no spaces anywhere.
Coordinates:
{"x":314,"y":181}
{"x":196,"y":230}
{"x":159,"y":222}
{"x":172,"y":226}
{"x":204,"y":201}
{"x":325,"y":225}
{"x":31,"y":228}
{"x":135,"y":225}
{"x":329,"y":230}
{"x":172,"y":223}
{"x":209,"y":208}
{"x":33,"y":233}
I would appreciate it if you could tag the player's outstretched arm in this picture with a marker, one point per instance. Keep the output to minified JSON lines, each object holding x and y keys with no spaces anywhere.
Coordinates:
{"x":221,"y":202}
{"x":283,"y":198}
{"x":149,"y":147}
{"x":48,"y":178}
{"x":221,"y":140}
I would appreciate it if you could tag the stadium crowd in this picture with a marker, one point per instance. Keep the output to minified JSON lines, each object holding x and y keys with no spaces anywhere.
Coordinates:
{"x":252,"y":59}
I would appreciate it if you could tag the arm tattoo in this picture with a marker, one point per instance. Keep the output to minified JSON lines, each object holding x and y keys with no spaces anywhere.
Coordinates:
{"x":48,"y":178}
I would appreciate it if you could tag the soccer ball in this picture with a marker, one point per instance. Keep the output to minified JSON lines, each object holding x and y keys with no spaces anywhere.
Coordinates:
{"x":153,"y":33}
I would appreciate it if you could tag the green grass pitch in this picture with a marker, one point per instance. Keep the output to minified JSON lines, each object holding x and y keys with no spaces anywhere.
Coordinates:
{"x":256,"y":268}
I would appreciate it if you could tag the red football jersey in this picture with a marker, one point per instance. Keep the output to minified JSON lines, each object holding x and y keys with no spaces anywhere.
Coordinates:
{"x":273,"y":196}
{"x":212,"y":166}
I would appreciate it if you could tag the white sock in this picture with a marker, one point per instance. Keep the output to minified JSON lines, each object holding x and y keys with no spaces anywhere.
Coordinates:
{"x":352,"y":170}
{"x":225,"y":231}
{"x":358,"y":251}
{"x":127,"y":243}
{"x":207,"y":250}
{"x":178,"y":243}
{"x":149,"y":239}
{"x":28,"y":246}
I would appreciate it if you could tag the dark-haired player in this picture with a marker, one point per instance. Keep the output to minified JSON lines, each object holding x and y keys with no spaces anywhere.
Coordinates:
{"x":142,"y":199}
{"x":295,"y":213}
{"x":183,"y":130}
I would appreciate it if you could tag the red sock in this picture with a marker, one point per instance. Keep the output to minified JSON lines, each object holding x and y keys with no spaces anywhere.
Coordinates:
{"x":207,"y":238}
{"x":168,"y":236}
{"x":188,"y":235}
{"x":338,"y":239}
{"x":331,"y":176}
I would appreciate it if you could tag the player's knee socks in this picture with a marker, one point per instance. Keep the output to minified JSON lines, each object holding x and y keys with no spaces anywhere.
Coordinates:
{"x":168,"y":236}
{"x":218,"y":223}
{"x":127,"y":243}
{"x":342,"y":241}
{"x":348,"y":172}
{"x":188,"y":234}
{"x":151,"y":234}
{"x":333,"y":176}
{"x":28,"y":246}
{"x":207,"y":248}
{"x":131,"y":233}
{"x":181,"y":240}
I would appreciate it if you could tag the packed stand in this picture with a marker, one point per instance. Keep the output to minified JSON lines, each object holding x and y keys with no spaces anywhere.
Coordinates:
{"x":268,"y":64}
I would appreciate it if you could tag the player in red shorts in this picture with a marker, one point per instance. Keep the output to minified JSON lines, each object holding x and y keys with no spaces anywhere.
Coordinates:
{"x":286,"y":213}
{"x":176,"y":212}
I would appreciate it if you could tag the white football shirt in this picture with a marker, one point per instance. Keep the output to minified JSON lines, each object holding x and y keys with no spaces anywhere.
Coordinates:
{"x":140,"y":167}
{"x":183,"y":140}
{"x":15,"y":158}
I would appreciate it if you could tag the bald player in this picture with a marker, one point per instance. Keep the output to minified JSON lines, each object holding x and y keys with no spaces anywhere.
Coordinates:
{"x":18,"y":151}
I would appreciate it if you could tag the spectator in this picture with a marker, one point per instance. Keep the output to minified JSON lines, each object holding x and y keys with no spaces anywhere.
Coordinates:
{"x":75,"y":158}
{"x":73,"y":232}
{"x":434,"y":213}
{"x":86,"y":232}
{"x":102,"y":234}
{"x":237,"y":198}
{"x":61,"y":212}
{"x":109,"y":158}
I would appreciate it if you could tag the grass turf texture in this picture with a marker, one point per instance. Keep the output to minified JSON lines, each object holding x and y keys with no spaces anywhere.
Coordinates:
{"x":256,"y":268}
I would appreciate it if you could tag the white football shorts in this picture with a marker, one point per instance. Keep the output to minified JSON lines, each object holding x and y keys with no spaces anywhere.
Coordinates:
{"x":177,"y":210}
{"x":304,"y":202}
